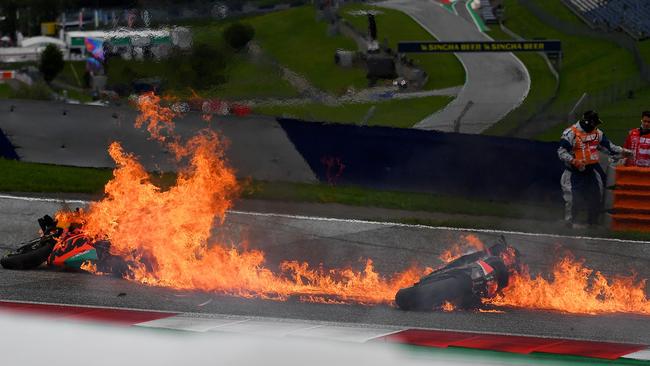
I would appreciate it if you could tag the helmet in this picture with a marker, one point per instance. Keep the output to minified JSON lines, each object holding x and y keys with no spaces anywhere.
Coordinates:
{"x":590,"y":120}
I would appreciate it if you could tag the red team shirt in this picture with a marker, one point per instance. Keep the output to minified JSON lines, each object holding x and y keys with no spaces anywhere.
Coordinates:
{"x":640,"y":146}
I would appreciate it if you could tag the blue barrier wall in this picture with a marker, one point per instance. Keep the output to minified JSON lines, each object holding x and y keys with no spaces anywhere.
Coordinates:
{"x":7,"y":150}
{"x":429,"y":161}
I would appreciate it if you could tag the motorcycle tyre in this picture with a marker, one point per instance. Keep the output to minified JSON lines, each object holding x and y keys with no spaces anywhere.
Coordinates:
{"x":29,"y":259}
{"x":432,"y":295}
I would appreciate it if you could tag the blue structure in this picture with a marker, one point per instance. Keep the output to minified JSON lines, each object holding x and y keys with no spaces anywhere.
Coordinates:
{"x":486,"y":167}
{"x":7,"y":150}
{"x":630,"y":16}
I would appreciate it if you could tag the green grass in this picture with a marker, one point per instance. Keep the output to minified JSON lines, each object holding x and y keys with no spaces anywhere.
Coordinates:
{"x":72,"y":73}
{"x":5,"y":91}
{"x":248,"y":79}
{"x":36,"y":91}
{"x":644,"y":50}
{"x":445,"y":70}
{"x":589,"y":65}
{"x":359,"y":196}
{"x":542,"y":89}
{"x":18,"y":176}
{"x":298,"y":41}
{"x":81,"y":96}
{"x":395,"y":113}
{"x":619,"y":118}
{"x":560,"y":11}
{"x":244,"y":77}
{"x":32,"y":177}
{"x":125,"y":71}
{"x":17,"y":65}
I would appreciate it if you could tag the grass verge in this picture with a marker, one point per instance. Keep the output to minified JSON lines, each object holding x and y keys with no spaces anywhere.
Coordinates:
{"x":297,"y":40}
{"x":73,"y":73}
{"x":480,"y":214}
{"x":410,"y":201}
{"x":622,"y":116}
{"x":560,"y":11}
{"x":444,"y":70}
{"x":34,"y":177}
{"x":402,"y":113}
{"x":589,"y":65}
{"x":5,"y":91}
{"x":248,"y":79}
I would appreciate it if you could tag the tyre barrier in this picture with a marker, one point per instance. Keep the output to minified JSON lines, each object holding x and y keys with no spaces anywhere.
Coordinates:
{"x":631,"y":203}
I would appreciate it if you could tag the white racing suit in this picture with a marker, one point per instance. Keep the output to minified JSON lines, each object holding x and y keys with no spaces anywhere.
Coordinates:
{"x":583,"y":189}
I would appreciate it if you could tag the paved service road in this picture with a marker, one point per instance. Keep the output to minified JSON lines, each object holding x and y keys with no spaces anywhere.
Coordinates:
{"x":79,"y":135}
{"x":496,"y":82}
{"x":337,"y":243}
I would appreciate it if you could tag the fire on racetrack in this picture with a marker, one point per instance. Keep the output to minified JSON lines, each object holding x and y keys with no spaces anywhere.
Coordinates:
{"x":164,"y":236}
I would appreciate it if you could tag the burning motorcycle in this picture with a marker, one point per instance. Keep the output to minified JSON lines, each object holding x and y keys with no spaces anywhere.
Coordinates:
{"x":63,"y":245}
{"x":464,"y":282}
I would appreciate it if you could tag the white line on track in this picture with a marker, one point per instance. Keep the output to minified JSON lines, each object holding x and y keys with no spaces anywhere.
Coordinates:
{"x":42,"y":199}
{"x":358,"y":221}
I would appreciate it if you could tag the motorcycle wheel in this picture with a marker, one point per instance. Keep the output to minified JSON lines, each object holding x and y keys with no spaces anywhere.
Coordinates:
{"x":432,"y":295}
{"x":28,"y":256}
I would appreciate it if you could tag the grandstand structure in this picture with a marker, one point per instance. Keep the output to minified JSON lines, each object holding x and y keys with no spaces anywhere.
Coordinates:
{"x":487,"y":12}
{"x":630,"y":16}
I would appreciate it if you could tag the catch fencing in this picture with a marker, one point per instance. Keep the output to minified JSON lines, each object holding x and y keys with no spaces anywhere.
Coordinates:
{"x":486,"y":167}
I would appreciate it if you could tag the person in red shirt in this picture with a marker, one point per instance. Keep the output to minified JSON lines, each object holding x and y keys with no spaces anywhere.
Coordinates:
{"x":638,"y":141}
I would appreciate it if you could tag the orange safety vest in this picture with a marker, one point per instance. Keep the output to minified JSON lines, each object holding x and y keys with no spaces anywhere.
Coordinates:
{"x":585,"y":148}
{"x":640,"y":146}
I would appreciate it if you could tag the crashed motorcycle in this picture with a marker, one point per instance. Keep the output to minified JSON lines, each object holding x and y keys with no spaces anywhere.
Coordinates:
{"x":63,"y":246}
{"x":464,"y":282}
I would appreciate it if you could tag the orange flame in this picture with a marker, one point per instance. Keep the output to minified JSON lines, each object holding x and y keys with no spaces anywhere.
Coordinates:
{"x":575,"y":289}
{"x":471,"y":243}
{"x":164,"y":236}
{"x":448,"y":307}
{"x":89,"y":266}
{"x":158,"y":119}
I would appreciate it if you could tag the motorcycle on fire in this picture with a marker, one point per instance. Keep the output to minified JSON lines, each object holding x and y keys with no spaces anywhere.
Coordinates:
{"x":63,"y":247}
{"x":463,"y":282}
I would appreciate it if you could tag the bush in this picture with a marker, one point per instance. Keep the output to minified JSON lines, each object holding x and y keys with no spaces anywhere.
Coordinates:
{"x":207,"y":66}
{"x":237,"y":35}
{"x":51,"y":62}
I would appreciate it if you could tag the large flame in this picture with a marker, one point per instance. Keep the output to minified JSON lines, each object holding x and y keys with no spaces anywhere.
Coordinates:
{"x":165,"y":235}
{"x":574,"y":288}
{"x":468,"y":244}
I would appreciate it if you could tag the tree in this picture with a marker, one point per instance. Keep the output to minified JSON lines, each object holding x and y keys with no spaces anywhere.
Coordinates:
{"x":238,"y":35}
{"x":51,"y":62}
{"x":207,"y":66}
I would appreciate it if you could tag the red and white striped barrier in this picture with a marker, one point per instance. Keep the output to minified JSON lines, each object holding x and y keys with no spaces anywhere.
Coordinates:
{"x":7,"y":74}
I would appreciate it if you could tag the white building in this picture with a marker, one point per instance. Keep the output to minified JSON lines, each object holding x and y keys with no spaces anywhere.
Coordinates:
{"x":128,"y":42}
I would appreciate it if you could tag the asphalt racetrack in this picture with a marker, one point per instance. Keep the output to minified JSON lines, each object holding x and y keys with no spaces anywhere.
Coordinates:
{"x":336,"y":243}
